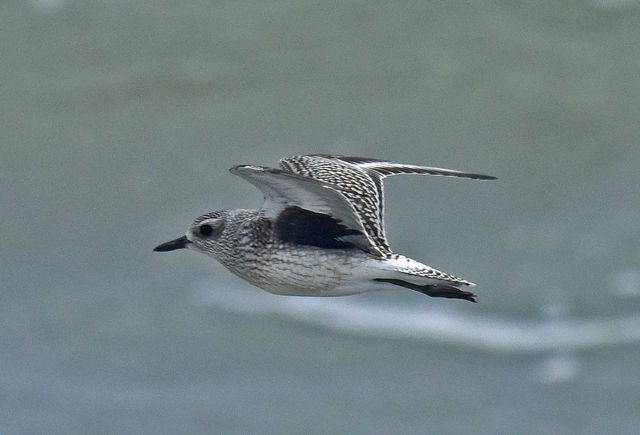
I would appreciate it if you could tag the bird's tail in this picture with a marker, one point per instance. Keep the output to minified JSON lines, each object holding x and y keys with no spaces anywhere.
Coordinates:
{"x":405,"y":272}
{"x":434,"y":290}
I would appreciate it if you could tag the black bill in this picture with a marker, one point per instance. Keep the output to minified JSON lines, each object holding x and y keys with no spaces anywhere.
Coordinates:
{"x":179,"y":243}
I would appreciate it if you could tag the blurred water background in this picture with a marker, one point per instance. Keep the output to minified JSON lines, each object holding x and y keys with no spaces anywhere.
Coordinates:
{"x":120,"y":120}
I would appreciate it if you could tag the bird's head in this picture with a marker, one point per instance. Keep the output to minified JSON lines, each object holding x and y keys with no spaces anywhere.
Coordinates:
{"x":203,"y":235}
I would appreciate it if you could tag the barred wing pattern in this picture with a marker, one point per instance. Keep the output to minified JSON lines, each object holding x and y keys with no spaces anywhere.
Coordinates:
{"x":360,"y":180}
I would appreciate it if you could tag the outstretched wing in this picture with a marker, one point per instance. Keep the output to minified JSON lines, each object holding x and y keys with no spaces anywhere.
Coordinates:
{"x":360,"y":181}
{"x":308,"y":210}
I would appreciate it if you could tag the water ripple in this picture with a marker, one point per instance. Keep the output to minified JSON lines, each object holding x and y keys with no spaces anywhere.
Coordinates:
{"x":489,"y":332}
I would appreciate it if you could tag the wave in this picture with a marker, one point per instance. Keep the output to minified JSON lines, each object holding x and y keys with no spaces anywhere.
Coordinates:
{"x":483,"y":331}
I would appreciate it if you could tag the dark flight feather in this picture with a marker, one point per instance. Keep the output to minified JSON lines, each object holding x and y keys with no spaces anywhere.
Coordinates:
{"x":305,"y":227}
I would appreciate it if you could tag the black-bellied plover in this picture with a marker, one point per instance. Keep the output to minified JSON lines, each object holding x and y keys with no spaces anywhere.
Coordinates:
{"x":320,"y":231}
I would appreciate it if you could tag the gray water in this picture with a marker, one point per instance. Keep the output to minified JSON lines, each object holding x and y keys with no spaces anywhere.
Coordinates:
{"x":120,"y":119}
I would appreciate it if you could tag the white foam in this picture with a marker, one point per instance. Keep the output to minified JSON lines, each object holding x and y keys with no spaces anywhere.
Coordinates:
{"x":611,"y":4}
{"x":49,"y":6}
{"x":558,"y":367}
{"x":489,"y":332}
{"x":626,"y":283}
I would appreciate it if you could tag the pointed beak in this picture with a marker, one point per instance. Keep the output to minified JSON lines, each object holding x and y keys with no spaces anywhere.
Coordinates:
{"x":179,"y":243}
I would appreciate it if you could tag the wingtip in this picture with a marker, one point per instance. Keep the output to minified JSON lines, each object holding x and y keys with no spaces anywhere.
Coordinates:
{"x":488,"y":177}
{"x":475,"y":176}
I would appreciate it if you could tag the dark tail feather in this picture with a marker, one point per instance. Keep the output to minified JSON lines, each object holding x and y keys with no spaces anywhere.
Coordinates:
{"x":434,"y":290}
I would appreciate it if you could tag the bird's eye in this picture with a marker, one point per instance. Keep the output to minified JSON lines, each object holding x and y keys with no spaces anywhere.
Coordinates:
{"x":206,"y":230}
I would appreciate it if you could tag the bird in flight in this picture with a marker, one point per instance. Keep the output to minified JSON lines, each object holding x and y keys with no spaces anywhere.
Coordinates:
{"x":320,"y":231}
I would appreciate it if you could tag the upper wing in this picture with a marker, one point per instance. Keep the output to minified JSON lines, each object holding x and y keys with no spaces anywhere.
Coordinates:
{"x":383,"y":168}
{"x":360,"y":180}
{"x":386,"y":169}
{"x":286,"y":193}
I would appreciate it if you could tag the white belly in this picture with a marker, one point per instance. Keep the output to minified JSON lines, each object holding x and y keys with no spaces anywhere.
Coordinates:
{"x":310,"y":272}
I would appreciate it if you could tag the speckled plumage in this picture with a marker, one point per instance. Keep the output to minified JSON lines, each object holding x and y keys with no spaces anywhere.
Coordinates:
{"x":320,"y":231}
